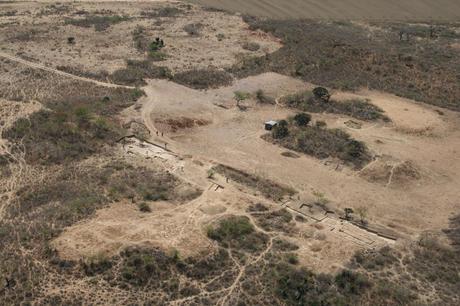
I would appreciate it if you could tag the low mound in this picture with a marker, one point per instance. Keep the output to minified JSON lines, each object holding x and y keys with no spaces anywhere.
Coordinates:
{"x":391,"y":173}
{"x":180,"y":123}
{"x":357,"y":108}
{"x":266,"y":187}
{"x":320,"y":142}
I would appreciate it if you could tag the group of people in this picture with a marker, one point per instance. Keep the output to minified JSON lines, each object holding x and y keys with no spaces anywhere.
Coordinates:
{"x":158,"y":134}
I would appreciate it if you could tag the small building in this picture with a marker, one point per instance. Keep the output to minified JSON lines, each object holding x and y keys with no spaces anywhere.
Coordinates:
{"x":269,"y":125}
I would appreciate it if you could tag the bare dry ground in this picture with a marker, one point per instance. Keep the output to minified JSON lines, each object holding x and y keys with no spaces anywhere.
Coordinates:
{"x":167,"y":191}
{"x":390,"y":10}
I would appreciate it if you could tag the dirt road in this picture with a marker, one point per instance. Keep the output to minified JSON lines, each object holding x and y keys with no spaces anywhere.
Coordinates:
{"x":65,"y":74}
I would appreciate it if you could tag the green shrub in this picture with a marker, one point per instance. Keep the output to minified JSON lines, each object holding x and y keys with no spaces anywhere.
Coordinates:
{"x":157,"y":56}
{"x":154,"y":50}
{"x":83,"y":115}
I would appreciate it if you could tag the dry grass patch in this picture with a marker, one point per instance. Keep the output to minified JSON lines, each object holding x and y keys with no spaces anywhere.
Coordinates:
{"x":203,"y":78}
{"x":100,"y":23}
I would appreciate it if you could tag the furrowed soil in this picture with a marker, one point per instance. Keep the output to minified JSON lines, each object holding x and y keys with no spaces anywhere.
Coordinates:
{"x":392,"y":10}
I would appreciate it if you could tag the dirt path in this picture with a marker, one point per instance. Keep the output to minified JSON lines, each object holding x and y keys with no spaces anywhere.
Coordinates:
{"x":65,"y":74}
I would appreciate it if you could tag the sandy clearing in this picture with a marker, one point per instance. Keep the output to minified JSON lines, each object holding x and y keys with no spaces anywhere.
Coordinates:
{"x":123,"y":225}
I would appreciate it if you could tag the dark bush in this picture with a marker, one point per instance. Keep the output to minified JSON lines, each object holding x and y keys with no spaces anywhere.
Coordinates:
{"x":96,"y":265}
{"x":263,"y":98}
{"x":100,"y":23}
{"x":144,"y":207}
{"x":302,"y":119}
{"x":141,"y":267}
{"x":280,"y":131}
{"x":231,"y":228}
{"x":295,"y":287}
{"x":279,"y":221}
{"x":351,"y":282}
{"x":321,"y":93}
{"x":136,"y":72}
{"x":322,"y":143}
